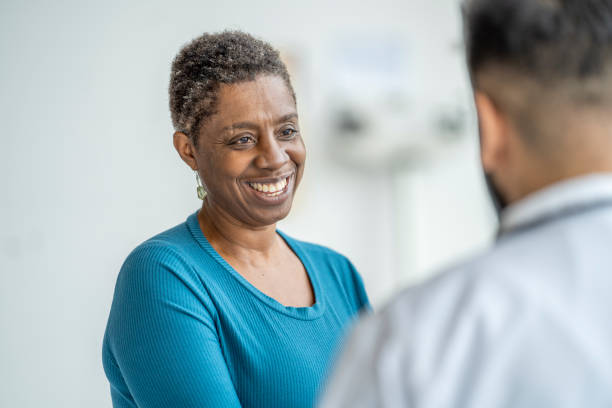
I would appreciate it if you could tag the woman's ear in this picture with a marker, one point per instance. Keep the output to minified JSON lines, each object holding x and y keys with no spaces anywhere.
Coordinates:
{"x":185,"y":148}
{"x":494,"y":132}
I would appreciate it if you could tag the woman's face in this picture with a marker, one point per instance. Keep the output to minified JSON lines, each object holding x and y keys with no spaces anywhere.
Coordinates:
{"x":250,"y":153}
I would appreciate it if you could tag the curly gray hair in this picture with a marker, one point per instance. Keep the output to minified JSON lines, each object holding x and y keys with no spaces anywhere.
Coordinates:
{"x":210,"y":60}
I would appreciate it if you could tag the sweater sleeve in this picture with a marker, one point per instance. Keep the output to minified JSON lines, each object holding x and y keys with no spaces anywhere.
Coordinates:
{"x":361,"y":297}
{"x":162,"y":334}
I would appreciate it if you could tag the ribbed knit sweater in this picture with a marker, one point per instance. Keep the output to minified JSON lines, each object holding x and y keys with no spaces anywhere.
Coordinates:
{"x":187,"y":330}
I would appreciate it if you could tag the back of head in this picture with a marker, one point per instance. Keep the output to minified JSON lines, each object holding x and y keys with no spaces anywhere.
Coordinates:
{"x":543,"y":63}
{"x":550,"y":40}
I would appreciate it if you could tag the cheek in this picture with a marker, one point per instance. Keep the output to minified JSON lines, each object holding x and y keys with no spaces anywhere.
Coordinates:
{"x":297,"y":152}
{"x":232,"y":165}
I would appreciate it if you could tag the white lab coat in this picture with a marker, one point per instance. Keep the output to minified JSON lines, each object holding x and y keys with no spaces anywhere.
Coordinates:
{"x":527,"y":324}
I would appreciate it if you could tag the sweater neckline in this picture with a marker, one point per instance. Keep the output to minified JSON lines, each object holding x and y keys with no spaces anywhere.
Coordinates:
{"x":303,"y":313}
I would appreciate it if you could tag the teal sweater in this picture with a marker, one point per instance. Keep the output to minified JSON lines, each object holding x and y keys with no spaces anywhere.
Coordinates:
{"x":187,"y":330}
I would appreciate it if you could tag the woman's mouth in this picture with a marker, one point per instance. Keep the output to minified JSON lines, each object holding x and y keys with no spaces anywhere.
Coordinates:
{"x":271,"y":188}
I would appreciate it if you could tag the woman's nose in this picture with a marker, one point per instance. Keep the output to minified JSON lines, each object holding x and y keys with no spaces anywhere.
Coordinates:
{"x":271,"y":155}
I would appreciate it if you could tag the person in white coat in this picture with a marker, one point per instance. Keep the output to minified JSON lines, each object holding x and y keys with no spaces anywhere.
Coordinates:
{"x":529,"y":322}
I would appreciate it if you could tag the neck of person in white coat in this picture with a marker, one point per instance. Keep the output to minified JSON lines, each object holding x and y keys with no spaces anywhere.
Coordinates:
{"x":535,"y":132}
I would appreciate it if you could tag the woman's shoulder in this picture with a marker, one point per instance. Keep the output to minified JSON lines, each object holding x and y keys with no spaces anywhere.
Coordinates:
{"x":314,"y":250}
{"x":334,"y":270}
{"x":176,"y":241}
{"x":324,"y":259}
{"x":163,"y":266}
{"x":171,"y":249}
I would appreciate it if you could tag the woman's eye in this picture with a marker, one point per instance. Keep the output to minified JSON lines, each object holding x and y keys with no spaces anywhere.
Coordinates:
{"x":288,"y":132}
{"x":243,"y":140}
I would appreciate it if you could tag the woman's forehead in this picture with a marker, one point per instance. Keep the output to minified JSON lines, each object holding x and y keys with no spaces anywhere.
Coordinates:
{"x":265,"y":98}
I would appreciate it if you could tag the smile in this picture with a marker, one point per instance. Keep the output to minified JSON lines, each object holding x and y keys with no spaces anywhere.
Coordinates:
{"x":270,"y":189}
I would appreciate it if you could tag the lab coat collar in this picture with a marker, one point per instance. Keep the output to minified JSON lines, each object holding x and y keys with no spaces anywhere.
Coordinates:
{"x":556,"y":198}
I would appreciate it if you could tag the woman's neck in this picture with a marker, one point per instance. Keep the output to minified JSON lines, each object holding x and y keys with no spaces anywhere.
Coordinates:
{"x":230,"y":236}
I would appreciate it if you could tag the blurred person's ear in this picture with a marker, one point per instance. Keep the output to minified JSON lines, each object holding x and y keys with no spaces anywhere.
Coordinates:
{"x":494,"y":132}
{"x":185,"y":148}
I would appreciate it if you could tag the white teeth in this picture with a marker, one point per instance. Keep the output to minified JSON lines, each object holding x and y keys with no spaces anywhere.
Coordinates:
{"x":272,"y":188}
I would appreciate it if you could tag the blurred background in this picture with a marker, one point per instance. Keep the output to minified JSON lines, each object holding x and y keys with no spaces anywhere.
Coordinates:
{"x":88,"y":169}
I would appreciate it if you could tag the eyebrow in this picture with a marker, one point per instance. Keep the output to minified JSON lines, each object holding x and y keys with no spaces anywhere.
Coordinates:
{"x":252,"y":125}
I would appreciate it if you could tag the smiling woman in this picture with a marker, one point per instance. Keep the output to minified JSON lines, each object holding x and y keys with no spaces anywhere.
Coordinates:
{"x":224,"y":310}
{"x":247,"y":150}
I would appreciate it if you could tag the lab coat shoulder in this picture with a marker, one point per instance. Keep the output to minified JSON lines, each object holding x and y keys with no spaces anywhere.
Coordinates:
{"x":454,"y":323}
{"x":413,"y":351}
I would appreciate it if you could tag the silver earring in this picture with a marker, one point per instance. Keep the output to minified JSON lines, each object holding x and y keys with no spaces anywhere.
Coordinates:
{"x":201,"y":192}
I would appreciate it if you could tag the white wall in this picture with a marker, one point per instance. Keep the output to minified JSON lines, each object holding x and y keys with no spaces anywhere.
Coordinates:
{"x":88,"y":170}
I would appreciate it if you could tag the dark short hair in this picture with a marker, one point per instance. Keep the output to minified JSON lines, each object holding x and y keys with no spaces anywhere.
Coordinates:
{"x":210,"y":60}
{"x":546,"y":39}
{"x":540,"y":61}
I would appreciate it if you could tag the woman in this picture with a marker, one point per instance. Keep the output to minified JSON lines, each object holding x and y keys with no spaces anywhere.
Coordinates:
{"x":223,"y":310}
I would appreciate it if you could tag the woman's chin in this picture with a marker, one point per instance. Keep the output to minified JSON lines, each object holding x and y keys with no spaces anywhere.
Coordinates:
{"x":267,"y":207}
{"x":270,"y":216}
